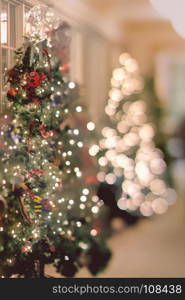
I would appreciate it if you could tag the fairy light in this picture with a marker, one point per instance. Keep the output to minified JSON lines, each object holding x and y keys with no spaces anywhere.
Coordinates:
{"x":90,"y":126}
{"x":78,"y":174}
{"x":78,"y":224}
{"x":83,"y":245}
{"x":48,"y":170}
{"x":110,"y":178}
{"x":71,"y":85}
{"x":95,"y":209}
{"x":103,"y":161}
{"x":83,"y":198}
{"x":131,"y":135}
{"x":57,"y":114}
{"x":78,"y":108}
{"x":71,"y":142}
{"x":93,"y":232}
{"x":82,"y":206}
{"x":85,"y":191}
{"x":80,"y":144}
{"x":101,"y":176}
{"x":146,"y":209}
{"x":95,"y":198}
{"x":76,"y":131}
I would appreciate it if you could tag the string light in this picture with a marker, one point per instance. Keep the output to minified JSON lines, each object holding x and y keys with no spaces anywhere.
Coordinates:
{"x":93,"y":232}
{"x":78,"y":108}
{"x":90,"y":126}
{"x":127,"y":146}
{"x":71,"y":85}
{"x":42,"y":178}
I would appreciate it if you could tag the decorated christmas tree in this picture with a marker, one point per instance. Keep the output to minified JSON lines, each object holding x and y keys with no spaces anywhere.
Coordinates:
{"x":127,"y":153}
{"x":48,"y":209}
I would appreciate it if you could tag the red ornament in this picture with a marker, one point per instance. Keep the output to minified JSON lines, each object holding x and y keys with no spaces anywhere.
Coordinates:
{"x":34,"y":79}
{"x":91,"y":179}
{"x":64,"y":67}
{"x":45,"y":134}
{"x":11,"y":94}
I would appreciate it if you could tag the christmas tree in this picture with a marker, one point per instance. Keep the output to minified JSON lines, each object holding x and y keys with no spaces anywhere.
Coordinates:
{"x":127,"y":154}
{"x":48,"y":210}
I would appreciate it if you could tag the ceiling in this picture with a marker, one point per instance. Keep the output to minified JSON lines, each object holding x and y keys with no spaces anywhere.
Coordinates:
{"x":123,"y":9}
{"x":108,"y":16}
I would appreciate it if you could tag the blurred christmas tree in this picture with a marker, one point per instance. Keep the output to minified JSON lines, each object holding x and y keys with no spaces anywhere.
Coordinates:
{"x":48,"y":209}
{"x":127,"y":154}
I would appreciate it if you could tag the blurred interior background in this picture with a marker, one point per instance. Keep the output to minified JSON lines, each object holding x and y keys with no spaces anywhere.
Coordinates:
{"x":101,"y":31}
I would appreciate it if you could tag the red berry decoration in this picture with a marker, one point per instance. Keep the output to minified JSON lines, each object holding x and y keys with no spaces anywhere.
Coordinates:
{"x":34,"y":79}
{"x":36,"y":101}
{"x":36,"y":172}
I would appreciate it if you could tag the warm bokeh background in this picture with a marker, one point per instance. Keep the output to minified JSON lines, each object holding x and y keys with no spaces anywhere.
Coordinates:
{"x":101,"y":31}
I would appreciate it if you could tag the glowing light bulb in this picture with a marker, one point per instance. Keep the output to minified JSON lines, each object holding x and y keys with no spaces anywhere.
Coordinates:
{"x":90,"y":126}
{"x":94,"y":150}
{"x":80,"y":144}
{"x":83,"y":198}
{"x":93,"y":232}
{"x":71,"y":85}
{"x":119,"y":74}
{"x":160,"y":205}
{"x":146,"y":209}
{"x":79,"y":109}
{"x":85,"y":191}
